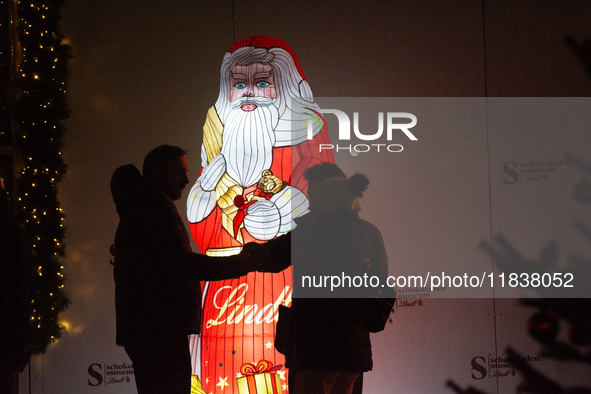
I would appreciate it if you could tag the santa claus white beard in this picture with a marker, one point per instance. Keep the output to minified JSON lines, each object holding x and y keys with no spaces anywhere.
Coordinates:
{"x":248,"y":139}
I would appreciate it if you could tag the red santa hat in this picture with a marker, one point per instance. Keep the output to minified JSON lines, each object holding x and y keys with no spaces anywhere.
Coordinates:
{"x":268,"y":42}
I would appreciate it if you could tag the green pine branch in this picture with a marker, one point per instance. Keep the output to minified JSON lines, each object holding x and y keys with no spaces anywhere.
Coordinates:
{"x":40,"y":111}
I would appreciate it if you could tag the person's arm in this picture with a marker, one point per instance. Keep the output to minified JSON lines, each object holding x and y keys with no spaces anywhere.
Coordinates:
{"x":203,"y":267}
{"x":276,"y":255}
{"x":388,"y":294}
{"x":381,"y":256}
{"x":273,"y":256}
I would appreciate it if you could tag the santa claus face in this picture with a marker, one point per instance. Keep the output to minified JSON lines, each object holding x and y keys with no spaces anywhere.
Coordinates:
{"x":253,"y":80}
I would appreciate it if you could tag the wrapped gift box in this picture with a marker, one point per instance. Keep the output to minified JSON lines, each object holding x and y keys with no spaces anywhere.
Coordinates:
{"x":259,"y":379}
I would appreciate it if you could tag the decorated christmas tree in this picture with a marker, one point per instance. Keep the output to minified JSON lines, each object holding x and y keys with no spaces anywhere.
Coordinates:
{"x":39,"y":112}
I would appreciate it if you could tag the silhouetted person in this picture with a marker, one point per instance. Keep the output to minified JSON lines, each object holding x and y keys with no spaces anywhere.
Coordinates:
{"x":157,"y":289}
{"x":16,"y":332}
{"x":326,"y":341}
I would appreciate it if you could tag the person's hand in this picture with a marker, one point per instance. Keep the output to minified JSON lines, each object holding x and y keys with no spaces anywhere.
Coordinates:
{"x":251,"y":256}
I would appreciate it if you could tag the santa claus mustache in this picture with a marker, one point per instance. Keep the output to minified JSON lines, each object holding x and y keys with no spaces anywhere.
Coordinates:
{"x":258,"y":101}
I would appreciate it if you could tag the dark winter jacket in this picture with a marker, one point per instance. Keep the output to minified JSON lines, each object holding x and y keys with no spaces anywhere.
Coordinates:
{"x":157,"y":288}
{"x":328,"y":333}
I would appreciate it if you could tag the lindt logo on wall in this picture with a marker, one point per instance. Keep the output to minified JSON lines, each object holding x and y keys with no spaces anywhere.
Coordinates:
{"x":495,"y":367}
{"x":532,"y":170}
{"x":104,"y":374}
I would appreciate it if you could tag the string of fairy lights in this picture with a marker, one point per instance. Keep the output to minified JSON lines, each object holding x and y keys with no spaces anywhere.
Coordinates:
{"x":41,"y":109}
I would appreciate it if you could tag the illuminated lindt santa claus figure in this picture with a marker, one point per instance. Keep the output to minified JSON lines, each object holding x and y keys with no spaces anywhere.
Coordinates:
{"x":261,"y":135}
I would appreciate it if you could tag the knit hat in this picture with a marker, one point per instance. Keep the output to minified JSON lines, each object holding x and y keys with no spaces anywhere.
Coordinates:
{"x":330,"y":190}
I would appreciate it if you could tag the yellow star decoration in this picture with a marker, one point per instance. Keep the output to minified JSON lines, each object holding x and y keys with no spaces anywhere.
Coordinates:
{"x":284,"y":387}
{"x":239,"y":375}
{"x":281,"y":374}
{"x":223,"y":382}
{"x":269,"y":345}
{"x":287,"y":195}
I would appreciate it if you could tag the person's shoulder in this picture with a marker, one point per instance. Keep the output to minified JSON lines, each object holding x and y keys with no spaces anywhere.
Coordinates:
{"x":370,"y":228}
{"x":365,"y":223}
{"x":130,"y":190}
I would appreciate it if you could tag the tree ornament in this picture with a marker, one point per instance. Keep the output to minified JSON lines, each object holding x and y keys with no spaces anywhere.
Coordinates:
{"x":543,"y":327}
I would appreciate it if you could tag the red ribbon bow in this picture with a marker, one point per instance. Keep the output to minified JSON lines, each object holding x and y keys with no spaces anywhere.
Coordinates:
{"x":262,"y":366}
